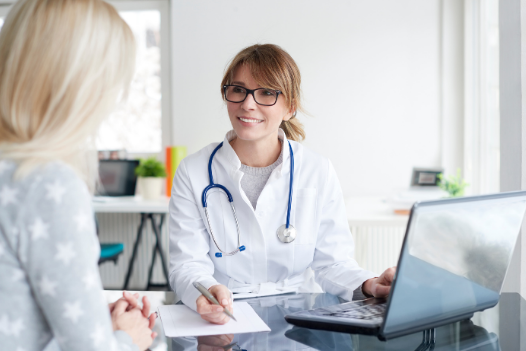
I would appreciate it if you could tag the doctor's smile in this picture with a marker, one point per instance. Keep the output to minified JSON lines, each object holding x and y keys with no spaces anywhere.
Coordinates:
{"x":250,"y":120}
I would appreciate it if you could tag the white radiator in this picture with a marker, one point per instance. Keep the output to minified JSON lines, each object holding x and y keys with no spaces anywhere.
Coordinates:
{"x":377,"y":247}
{"x":122,"y":228}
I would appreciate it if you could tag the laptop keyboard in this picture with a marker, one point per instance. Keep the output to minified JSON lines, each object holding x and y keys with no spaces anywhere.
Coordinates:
{"x":358,"y":311}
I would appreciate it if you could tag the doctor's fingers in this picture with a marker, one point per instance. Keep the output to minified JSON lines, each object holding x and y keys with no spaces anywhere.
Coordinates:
{"x":382,"y":290}
{"x":216,"y":340}
{"x":216,"y":318}
{"x":206,"y":307}
{"x":387,"y":277}
{"x":222,"y":294}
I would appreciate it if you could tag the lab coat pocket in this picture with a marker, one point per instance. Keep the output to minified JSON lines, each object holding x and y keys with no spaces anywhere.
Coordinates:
{"x":305,"y":217}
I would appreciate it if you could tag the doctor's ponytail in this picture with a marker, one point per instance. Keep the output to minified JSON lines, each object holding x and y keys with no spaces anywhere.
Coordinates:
{"x":273,"y":68}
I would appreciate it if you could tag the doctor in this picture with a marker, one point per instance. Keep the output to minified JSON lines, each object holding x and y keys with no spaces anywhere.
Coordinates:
{"x":259,"y":212}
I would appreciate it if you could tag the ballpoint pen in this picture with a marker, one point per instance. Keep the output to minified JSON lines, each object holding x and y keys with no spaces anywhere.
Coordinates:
{"x":211,"y":298}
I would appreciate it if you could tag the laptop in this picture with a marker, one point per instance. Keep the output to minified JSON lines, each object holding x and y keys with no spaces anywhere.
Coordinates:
{"x":452,"y":263}
{"x":117,"y":177}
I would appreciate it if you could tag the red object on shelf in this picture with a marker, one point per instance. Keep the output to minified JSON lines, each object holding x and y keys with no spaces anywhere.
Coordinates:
{"x":168,"y":171}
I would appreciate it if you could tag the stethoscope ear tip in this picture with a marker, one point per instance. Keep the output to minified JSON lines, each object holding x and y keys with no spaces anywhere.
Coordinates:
{"x":219,"y":254}
{"x":242,"y":248}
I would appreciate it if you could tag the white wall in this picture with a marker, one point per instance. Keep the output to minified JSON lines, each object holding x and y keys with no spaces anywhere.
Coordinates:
{"x":370,"y":72}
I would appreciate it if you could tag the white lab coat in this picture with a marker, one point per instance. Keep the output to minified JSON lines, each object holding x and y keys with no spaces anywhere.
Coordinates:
{"x":323,"y":243}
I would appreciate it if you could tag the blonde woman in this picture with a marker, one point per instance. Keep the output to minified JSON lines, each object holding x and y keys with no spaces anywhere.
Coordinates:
{"x":283,"y":216}
{"x":63,"y":65}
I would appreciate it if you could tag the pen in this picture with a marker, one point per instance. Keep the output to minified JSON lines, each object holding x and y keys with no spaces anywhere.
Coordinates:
{"x":211,"y":298}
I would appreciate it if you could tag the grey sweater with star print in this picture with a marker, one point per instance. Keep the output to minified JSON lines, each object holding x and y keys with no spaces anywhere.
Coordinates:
{"x":50,"y":289}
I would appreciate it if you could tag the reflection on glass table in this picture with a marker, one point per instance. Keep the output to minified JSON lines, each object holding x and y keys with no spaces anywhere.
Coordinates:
{"x":498,"y":328}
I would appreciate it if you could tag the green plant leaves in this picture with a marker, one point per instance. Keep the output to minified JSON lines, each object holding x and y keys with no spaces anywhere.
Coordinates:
{"x":453,"y":185}
{"x":150,"y":167}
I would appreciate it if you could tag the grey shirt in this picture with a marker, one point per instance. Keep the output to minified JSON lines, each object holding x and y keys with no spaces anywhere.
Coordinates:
{"x":255,"y":178}
{"x":49,"y":280}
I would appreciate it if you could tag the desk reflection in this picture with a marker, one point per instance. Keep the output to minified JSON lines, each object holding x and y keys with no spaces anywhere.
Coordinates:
{"x":462,"y":335}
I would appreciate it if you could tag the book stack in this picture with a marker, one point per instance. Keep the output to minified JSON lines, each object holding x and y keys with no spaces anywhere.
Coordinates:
{"x":174,"y":156}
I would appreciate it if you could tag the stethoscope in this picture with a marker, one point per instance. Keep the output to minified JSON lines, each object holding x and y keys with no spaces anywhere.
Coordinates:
{"x":285,"y":233}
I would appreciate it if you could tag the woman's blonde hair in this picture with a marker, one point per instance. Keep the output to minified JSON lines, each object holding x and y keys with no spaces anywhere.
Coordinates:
{"x":273,"y":68}
{"x":63,"y":66}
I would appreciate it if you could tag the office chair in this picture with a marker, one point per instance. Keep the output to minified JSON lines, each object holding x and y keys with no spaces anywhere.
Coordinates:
{"x":109,"y":251}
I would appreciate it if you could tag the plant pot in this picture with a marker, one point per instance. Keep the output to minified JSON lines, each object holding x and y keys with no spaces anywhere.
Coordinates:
{"x":150,"y":188}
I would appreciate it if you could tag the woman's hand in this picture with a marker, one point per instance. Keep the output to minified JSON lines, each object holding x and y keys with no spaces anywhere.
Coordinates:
{"x":132,"y":322}
{"x":133,"y":302}
{"x":213,"y":313}
{"x":381,"y":286}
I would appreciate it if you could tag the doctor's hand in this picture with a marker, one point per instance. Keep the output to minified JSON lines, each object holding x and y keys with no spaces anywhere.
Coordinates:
{"x":215,"y":342}
{"x":380,"y":286}
{"x":214,"y":313}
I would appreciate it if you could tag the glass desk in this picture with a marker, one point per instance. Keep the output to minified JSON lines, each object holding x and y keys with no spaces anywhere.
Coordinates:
{"x":500,"y":328}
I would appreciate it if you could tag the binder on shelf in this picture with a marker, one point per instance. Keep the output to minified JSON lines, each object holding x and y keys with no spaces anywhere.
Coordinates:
{"x":174,"y":156}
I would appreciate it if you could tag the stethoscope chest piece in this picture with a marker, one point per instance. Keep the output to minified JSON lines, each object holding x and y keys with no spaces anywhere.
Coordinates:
{"x":286,"y":235}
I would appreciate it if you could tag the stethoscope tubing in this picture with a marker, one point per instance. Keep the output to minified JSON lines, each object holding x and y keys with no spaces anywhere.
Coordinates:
{"x":291,"y":182}
{"x":231,"y":200}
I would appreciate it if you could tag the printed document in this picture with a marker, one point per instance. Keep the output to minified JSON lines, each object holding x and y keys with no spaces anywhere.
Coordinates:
{"x":180,"y":320}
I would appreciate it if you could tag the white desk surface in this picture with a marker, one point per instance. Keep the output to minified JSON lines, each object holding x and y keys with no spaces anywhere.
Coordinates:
{"x":130,"y":204}
{"x":360,"y":211}
{"x":372,"y":211}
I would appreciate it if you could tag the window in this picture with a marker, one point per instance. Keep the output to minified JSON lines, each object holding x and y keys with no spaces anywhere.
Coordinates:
{"x":482,"y":117}
{"x":141,"y":123}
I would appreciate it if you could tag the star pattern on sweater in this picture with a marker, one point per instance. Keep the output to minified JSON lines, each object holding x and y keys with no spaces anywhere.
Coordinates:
{"x":55,"y":191}
{"x":97,"y":336}
{"x":17,"y":326}
{"x":18,"y":275}
{"x":39,"y":229}
{"x":73,"y":311}
{"x":8,"y":195}
{"x":90,"y":280}
{"x":65,"y":252}
{"x":9,"y":328}
{"x":82,"y":220}
{"x":47,"y":286}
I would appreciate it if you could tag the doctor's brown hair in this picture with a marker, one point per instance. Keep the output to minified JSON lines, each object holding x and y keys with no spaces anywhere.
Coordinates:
{"x":272,"y":68}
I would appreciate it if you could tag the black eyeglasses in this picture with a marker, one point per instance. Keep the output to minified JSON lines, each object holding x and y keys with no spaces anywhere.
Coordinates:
{"x":262,"y":96}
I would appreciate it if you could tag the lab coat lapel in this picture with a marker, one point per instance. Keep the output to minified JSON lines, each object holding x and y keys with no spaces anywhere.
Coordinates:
{"x":251,"y":234}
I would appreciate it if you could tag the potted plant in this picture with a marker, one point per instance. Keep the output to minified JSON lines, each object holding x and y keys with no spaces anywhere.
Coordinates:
{"x":151,"y":174}
{"x":453,"y":185}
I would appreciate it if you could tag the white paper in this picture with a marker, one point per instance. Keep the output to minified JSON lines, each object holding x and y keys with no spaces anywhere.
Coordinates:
{"x":180,"y":320}
{"x":239,"y":296}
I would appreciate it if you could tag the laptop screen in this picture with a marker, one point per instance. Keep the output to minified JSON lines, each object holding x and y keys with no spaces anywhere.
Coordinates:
{"x":117,"y":177}
{"x":454,"y":259}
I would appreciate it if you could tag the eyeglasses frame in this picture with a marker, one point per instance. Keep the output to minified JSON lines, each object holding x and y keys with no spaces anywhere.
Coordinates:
{"x":251,"y":92}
